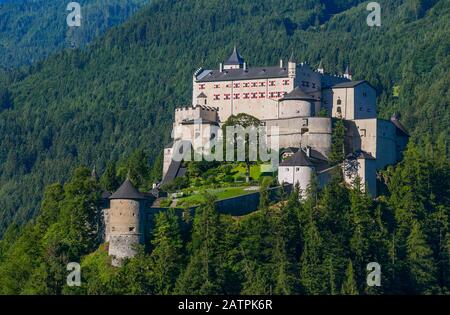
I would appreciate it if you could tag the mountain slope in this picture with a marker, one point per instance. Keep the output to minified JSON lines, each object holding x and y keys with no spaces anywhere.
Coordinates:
{"x":86,"y":107}
{"x":32,"y":29}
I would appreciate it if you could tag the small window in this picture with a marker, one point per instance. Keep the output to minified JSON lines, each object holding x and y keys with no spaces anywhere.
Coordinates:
{"x":363,"y":132}
{"x":338,"y":109}
{"x":131,"y":229}
{"x":364,"y":94}
{"x":297,"y":169}
{"x":339,"y":102}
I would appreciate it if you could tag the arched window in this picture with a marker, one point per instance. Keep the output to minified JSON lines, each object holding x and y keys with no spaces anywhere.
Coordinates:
{"x":338,"y":109}
{"x":339,"y":102}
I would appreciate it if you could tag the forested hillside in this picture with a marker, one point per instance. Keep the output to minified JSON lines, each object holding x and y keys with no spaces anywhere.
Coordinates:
{"x":85,"y":107}
{"x":320,"y":245}
{"x":30,"y":30}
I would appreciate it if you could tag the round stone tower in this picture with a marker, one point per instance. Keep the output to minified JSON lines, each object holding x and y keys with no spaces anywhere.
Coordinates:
{"x":124,"y":227}
{"x":296,"y":103}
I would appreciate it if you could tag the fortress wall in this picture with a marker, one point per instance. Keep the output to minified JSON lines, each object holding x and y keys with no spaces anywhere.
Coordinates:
{"x":289,"y":131}
{"x":365,"y":99}
{"x":196,"y":112}
{"x":366,"y":134}
{"x":366,"y":170}
{"x":296,"y":174}
{"x":125,"y":227}
{"x":303,"y":131}
{"x":168,"y":153}
{"x":346,"y":96}
{"x":122,"y":246}
{"x":295,"y":108}
{"x":124,"y":217}
{"x":386,"y":144}
{"x":229,"y":98}
{"x":318,"y":135}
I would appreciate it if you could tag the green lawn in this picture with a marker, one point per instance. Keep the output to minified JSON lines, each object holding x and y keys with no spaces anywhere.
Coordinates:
{"x":255,"y":171}
{"x":220,"y":193}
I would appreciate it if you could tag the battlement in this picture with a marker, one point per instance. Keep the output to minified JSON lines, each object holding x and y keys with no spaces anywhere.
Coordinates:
{"x":193,"y":112}
{"x":194,"y":107}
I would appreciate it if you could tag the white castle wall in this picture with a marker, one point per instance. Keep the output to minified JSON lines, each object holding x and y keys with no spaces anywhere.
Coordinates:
{"x":351,"y":103}
{"x":295,"y":108}
{"x":296,"y":174}
{"x":195,"y":112}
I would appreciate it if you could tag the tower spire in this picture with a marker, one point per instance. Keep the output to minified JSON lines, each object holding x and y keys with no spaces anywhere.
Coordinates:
{"x":348,"y":73}
{"x":320,"y":69}
{"x":94,"y":175}
{"x":291,"y":58}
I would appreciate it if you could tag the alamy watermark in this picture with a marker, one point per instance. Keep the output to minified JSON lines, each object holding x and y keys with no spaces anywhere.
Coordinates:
{"x":74,"y":277}
{"x":208,"y":142}
{"x":374,"y":17}
{"x":374,"y":276}
{"x":74,"y":17}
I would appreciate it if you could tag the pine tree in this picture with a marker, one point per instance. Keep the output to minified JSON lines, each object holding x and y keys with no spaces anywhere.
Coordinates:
{"x":337,"y":152}
{"x":349,"y":286}
{"x":166,"y":256}
{"x":422,"y":268}
{"x":361,"y":224}
{"x":203,"y":274}
{"x":109,"y":181}
{"x":311,"y":268}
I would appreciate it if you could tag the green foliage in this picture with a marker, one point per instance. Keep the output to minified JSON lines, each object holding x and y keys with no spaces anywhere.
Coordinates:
{"x":320,"y":244}
{"x":337,"y":153}
{"x":103,"y":103}
{"x":30,"y":30}
{"x":94,"y":105}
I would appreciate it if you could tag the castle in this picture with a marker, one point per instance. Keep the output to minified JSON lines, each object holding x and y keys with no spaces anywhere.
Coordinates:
{"x":301,"y":102}
{"x":293,"y":97}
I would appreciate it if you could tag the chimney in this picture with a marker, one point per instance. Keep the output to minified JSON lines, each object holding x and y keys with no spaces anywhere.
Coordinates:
{"x":221,"y":67}
{"x":245,"y":66}
{"x":308,"y":151}
{"x":281,"y":63}
{"x":154,"y":186}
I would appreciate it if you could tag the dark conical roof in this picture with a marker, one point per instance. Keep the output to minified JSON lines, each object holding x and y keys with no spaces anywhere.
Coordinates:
{"x":127,"y":191}
{"x":235,"y":58}
{"x":202,"y":95}
{"x":298,"y":159}
{"x":298,"y":94}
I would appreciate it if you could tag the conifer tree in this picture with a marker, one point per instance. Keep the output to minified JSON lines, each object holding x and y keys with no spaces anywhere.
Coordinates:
{"x":349,"y":286}
{"x":422,"y":268}
{"x":166,"y":256}
{"x":337,"y":152}
{"x":108,"y":180}
{"x":203,"y":274}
